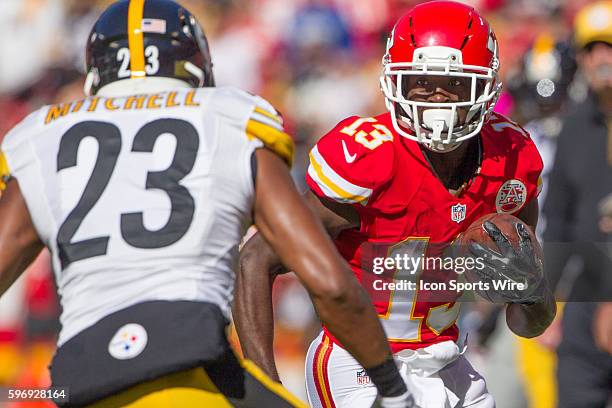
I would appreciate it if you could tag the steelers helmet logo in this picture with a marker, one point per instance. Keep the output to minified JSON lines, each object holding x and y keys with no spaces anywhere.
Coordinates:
{"x":511,"y":196}
{"x":128,"y":342}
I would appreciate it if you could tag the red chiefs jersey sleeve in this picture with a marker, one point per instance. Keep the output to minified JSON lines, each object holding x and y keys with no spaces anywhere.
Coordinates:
{"x":351,"y":161}
{"x":522,"y":157}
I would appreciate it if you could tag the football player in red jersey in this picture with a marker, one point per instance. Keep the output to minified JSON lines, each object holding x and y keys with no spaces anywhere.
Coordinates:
{"x":417,"y":177}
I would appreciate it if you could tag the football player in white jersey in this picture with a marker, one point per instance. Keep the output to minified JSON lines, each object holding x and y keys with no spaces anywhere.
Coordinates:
{"x":142,"y":192}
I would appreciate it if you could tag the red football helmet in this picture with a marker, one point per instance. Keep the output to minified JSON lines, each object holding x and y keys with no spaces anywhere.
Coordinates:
{"x":441,"y":38}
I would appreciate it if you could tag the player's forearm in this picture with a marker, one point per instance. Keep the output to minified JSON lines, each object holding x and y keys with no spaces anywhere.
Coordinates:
{"x":349,"y":316}
{"x":531,"y":320}
{"x":10,"y":273}
{"x":339,"y":300}
{"x":347,"y":313}
{"x":253,"y":312}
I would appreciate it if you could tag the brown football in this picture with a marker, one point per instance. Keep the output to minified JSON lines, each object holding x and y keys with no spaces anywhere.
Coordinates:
{"x":507,"y":225}
{"x":476,"y":233}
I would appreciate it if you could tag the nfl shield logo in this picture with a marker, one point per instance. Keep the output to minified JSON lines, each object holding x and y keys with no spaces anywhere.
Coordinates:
{"x":458,"y":213}
{"x":362,"y":378}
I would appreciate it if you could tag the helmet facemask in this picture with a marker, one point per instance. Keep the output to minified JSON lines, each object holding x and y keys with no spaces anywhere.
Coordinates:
{"x":439,"y":126}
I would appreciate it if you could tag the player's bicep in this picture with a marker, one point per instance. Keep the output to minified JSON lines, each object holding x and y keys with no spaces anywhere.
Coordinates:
{"x":278,"y":208}
{"x":19,"y":241}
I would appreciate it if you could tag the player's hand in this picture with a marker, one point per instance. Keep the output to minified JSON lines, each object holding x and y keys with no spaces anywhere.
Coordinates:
{"x":401,"y":401}
{"x":513,"y":265}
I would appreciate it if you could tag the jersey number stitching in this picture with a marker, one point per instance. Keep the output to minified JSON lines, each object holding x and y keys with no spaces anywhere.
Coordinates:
{"x":402,"y":303}
{"x":133,"y":231}
{"x":372,"y":139}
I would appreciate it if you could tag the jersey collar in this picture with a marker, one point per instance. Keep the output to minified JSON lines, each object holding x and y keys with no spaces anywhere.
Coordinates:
{"x":147,"y":85}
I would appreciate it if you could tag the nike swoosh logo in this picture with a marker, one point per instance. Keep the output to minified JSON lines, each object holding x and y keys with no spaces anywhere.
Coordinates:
{"x":347,"y":156}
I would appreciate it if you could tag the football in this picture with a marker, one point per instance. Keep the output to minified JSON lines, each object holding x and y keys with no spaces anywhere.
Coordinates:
{"x":476,"y":233}
{"x":506,"y":224}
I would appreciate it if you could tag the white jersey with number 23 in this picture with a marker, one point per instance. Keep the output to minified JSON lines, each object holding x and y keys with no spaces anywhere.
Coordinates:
{"x":142,"y":197}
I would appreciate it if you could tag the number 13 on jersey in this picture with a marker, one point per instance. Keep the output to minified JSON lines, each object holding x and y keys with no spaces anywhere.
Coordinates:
{"x":407,"y":314}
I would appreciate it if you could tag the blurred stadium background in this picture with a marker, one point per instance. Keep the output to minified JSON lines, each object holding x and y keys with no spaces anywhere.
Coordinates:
{"x":317,"y":61}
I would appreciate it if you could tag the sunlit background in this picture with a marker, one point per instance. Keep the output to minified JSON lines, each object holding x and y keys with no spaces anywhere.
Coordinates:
{"x":317,"y":61}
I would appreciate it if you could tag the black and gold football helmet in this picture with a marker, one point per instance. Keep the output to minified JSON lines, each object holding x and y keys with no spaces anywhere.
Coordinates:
{"x":147,"y":38}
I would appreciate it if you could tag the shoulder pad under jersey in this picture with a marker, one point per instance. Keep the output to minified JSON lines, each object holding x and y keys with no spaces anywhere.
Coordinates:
{"x":266,"y":124}
{"x":10,"y":146}
{"x":263,"y":122}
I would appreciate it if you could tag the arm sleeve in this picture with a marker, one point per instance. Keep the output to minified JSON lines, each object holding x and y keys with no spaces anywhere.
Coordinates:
{"x":349,"y":163}
{"x":522,"y":155}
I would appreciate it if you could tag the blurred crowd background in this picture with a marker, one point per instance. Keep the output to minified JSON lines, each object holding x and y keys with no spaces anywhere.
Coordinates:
{"x":317,"y":61}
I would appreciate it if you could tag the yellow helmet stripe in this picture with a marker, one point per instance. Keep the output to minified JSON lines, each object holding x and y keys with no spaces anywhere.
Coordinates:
{"x":136,"y":38}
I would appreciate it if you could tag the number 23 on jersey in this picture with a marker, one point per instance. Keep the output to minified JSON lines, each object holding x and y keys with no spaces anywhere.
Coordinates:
{"x":133,"y":231}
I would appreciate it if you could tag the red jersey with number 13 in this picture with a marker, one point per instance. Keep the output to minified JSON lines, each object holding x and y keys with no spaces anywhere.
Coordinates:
{"x":401,"y":203}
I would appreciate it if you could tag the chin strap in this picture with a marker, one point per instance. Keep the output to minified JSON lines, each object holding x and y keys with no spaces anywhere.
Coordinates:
{"x":438,"y":121}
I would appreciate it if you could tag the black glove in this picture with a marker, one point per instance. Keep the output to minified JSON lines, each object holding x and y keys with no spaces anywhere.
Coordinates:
{"x":512,"y":265}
